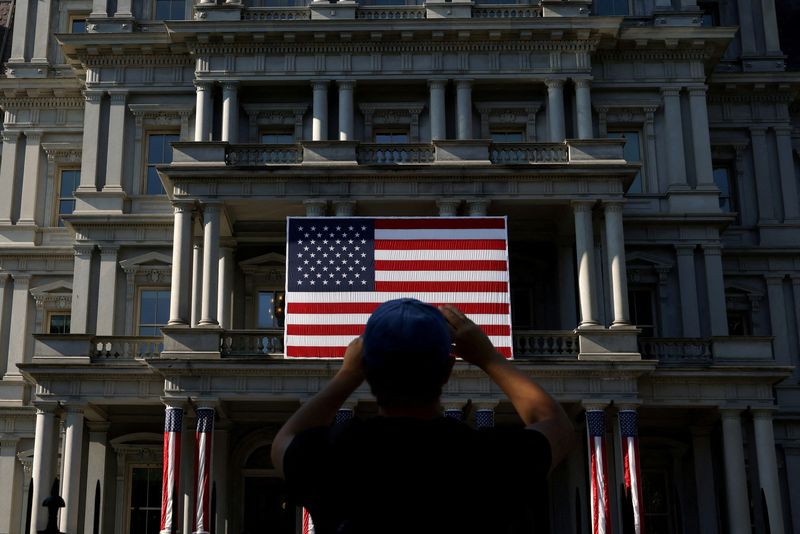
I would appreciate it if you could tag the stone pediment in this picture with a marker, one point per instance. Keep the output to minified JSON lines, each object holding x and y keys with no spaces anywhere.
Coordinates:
{"x":646,"y":260}
{"x":266,"y":263}
{"x":151,"y":260}
{"x":58,"y":293}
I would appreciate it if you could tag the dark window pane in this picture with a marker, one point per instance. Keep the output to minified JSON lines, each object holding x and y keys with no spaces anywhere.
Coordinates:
{"x":77,"y":26}
{"x":170,"y":9}
{"x":59,"y":323}
{"x":162,"y":307}
{"x":391,"y":137}
{"x":277,"y":138}
{"x":155,"y":153}
{"x":611,"y":7}
{"x":69,"y":182}
{"x":154,"y":487}
{"x":154,"y":186}
{"x":147,"y":308}
{"x":506,"y":137}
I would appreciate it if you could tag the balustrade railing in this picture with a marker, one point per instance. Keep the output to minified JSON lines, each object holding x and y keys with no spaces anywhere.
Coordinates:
{"x":507,"y":11}
{"x":390,"y":12}
{"x":263,"y":154}
{"x":531,"y":344}
{"x":529,"y":153}
{"x":373,"y":153}
{"x":240,"y":343}
{"x":276,"y":13}
{"x":125,"y":347}
{"x":676,"y":350}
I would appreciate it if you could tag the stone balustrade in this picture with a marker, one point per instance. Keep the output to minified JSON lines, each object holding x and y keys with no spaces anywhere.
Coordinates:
{"x":373,"y":153}
{"x":507,"y":153}
{"x":244,"y":343}
{"x":390,"y":12}
{"x":533,"y":344}
{"x":676,"y":350}
{"x":250,"y":155}
{"x":125,"y":347}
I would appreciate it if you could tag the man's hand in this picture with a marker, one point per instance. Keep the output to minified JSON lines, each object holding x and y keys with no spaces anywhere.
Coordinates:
{"x":353,"y":363}
{"x":470,"y":342}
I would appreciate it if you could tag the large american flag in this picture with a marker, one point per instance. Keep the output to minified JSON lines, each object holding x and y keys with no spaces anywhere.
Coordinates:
{"x":340,"y":269}
{"x":173,"y":423}
{"x":598,"y":471}
{"x":629,"y":432}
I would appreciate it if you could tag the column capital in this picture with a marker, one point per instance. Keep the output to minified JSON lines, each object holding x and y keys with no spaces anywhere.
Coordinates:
{"x":613,"y":206}
{"x":595,"y":405}
{"x":93,"y":96}
{"x":74,"y":407}
{"x":697,"y":90}
{"x":230,"y":85}
{"x":758,"y":131}
{"x":453,"y":404}
{"x":108,"y":250}
{"x":730,"y":413}
{"x":487,"y":404}
{"x":685,"y":250}
{"x":11,"y":136}
{"x":118,"y":96}
{"x":448,"y":207}
{"x":478,"y":207}
{"x":580,"y":206}
{"x":628,"y":405}
{"x":175,"y":402}
{"x":98,"y":426}
{"x":182,"y":206}
{"x":670,"y":91}
{"x":774,"y":279}
{"x":46,"y":407}
{"x":346,"y":84}
{"x":315,"y":207}
{"x":203,"y":85}
{"x":197,"y":243}
{"x":83,"y":251}
{"x":554,"y":83}
{"x":763,"y":413}
{"x":437,"y":83}
{"x":205,"y":403}
{"x":33,"y":136}
{"x":465,"y":83}
{"x":319,"y":85}
{"x":783,"y":129}
{"x":583,"y":83}
{"x":211,"y":206}
{"x":712,"y":249}
{"x":344,"y":208}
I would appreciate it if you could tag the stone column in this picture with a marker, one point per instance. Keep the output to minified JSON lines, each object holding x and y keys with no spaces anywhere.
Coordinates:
{"x":315,"y":207}
{"x":584,"y":248}
{"x":95,"y":476}
{"x":555,"y":110}
{"x":688,"y":289}
{"x":715,"y":285}
{"x":221,"y":454}
{"x":448,"y":207}
{"x":651,"y":165}
{"x":768,"y":467}
{"x":197,"y":280}
{"x":319,"y":120}
{"x":478,"y":207}
{"x":31,"y":179}
{"x":203,"y":110}
{"x":10,"y":504}
{"x":746,"y":30}
{"x":174,"y":452}
{"x":464,"y":109}
{"x":224,"y":298}
{"x":676,"y":161}
{"x":81,"y":282}
{"x":208,"y":316}
{"x":116,"y":141}
{"x":437,"y":109}
{"x":4,"y":287}
{"x":123,"y":10}
{"x":763,"y":178}
{"x":181,"y":264}
{"x":791,"y":203}
{"x":203,"y":464}
{"x":72,"y":467}
{"x":344,"y":414}
{"x":230,"y":112}
{"x":21,"y":16}
{"x":583,"y":103}
{"x":484,"y":416}
{"x":106,"y":304}
{"x":735,"y":478}
{"x":344,"y":208}
{"x":595,"y":432}
{"x":99,"y":9}
{"x":20,"y":325}
{"x":45,"y":448}
{"x":771,"y":41}
{"x":8,"y":168}
{"x":42,"y":31}
{"x":454,"y":410}
{"x":615,"y":241}
{"x":777,"y":319}
{"x":185,"y":521}
{"x":703,"y":476}
{"x":346,"y":131}
{"x":91,"y":140}
{"x":566,"y":284}
{"x":701,"y":142}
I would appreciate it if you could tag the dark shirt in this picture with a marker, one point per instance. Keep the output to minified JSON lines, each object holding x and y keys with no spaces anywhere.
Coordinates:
{"x":387,"y":475}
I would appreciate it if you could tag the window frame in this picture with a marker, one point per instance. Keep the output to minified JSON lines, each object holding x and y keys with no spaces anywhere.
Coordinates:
{"x":138,"y":311}
{"x":257,"y":311}
{"x":653,"y":310}
{"x":733,"y":196}
{"x":154,"y":8}
{"x":391,"y":131}
{"x":289,"y":132}
{"x":148,"y":133}
{"x":129,"y":488}
{"x":60,"y":170}
{"x":54,"y":313}
{"x":73,"y":17}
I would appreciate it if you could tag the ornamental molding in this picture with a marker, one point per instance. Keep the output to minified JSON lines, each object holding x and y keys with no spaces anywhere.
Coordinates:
{"x":11,"y":102}
{"x":107,"y":58}
{"x":155,"y":267}
{"x":54,"y":296}
{"x":272,"y":264}
{"x":652,"y":55}
{"x":159,"y":114}
{"x":63,"y":152}
{"x":748,"y":97}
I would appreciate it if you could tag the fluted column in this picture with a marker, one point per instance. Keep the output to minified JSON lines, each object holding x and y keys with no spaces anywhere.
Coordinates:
{"x":464,"y":109}
{"x":230,"y":112}
{"x":20,"y":325}
{"x":770,"y":22}
{"x":437,"y":109}
{"x":116,"y":141}
{"x":768,"y":467}
{"x":44,"y":456}
{"x":174,"y":450}
{"x":763,"y":176}
{"x":319,"y":120}
{"x":202,"y":114}
{"x":746,"y":30}
{"x":106,"y":305}
{"x":91,"y":140}
{"x":72,"y":465}
{"x":676,"y":159}
{"x":615,"y":241}
{"x":30,"y":183}
{"x":81,"y":282}
{"x":715,"y":285}
{"x":344,"y":208}
{"x":555,"y":110}
{"x":583,"y":103}
{"x":197,"y":280}
{"x":688,"y":288}
{"x":478,"y":207}
{"x":448,"y":207}
{"x":346,"y":131}
{"x":181,"y":264}
{"x":599,"y":504}
{"x":777,"y":318}
{"x":203,"y":463}
{"x":584,"y":248}
{"x":224,"y":299}
{"x":735,"y":478}
{"x":8,"y":168}
{"x":315,"y":207}
{"x":701,"y":142}
{"x":791,"y":202}
{"x":703,"y":474}
{"x":18,"y":38}
{"x":210,"y":264}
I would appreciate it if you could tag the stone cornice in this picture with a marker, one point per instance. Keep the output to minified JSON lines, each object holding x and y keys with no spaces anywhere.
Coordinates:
{"x":23,"y":101}
{"x":653,"y":55}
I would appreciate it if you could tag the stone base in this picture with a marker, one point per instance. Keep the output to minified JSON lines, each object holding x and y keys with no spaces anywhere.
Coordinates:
{"x":222,"y":12}
{"x":27,"y":70}
{"x":566,"y":8}
{"x":439,"y":9}
{"x":764,"y":64}
{"x":742,"y":349}
{"x":15,"y":235}
{"x":13,"y":391}
{"x":99,"y":202}
{"x":186,"y":343}
{"x":329,"y":152}
{"x":686,"y":200}
{"x":110,"y":25}
{"x":465,"y":151}
{"x":677,"y":18}
{"x":619,"y":344}
{"x":342,"y":10}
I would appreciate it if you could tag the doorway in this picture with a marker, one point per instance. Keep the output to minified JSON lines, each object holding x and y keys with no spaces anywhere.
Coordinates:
{"x":266,"y":509}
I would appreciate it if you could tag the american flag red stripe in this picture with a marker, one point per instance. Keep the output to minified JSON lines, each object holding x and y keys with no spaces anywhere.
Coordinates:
{"x":173,"y":423}
{"x":629,"y":438}
{"x":308,"y":523}
{"x":339,"y":270}
{"x":598,"y":471}
{"x":202,"y":499}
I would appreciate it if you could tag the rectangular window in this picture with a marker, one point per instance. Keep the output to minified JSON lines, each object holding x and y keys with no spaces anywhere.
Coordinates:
{"x":170,"y":10}
{"x":710,"y":15}
{"x":77,"y":24}
{"x":640,"y":302}
{"x":277,"y":138}
{"x":159,"y":151}
{"x":153,"y":311}
{"x":145,"y":500}
{"x":506,"y":136}
{"x":68,"y":182}
{"x":723,"y":178}
{"x":611,"y":7}
{"x":391,"y":136}
{"x":58,"y":323}
{"x":271,"y":309}
{"x":632,"y":152}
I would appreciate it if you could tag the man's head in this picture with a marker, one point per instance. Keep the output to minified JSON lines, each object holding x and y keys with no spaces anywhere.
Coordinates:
{"x":407,"y":353}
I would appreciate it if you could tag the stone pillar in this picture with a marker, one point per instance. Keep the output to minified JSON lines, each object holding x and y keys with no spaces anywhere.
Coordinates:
{"x":703,"y":476}
{"x":21,"y":16}
{"x":20,"y":325}
{"x":454,"y":410}
{"x":615,"y":241}
{"x":203,"y":110}
{"x":676,"y":161}
{"x":777,"y":319}
{"x":99,"y":9}
{"x":715,"y":285}
{"x":95,"y":476}
{"x":771,"y":41}
{"x":768,"y":467}
{"x":735,"y":478}
{"x":599,"y":506}
{"x":230,"y":112}
{"x":566,"y":285}
{"x":31,"y":179}
{"x":181,"y":264}
{"x":555,"y":110}
{"x":225,"y":296}
{"x":45,"y":448}
{"x":173,"y":454}
{"x":651,"y":165}
{"x":346,"y":131}
{"x":478,"y":207}
{"x":81,"y":282}
{"x":204,"y":446}
{"x":123,"y":10}
{"x":437,"y":109}
{"x":464,"y":109}
{"x":210,"y":264}
{"x":763,"y":178}
{"x":91,"y":140}
{"x":116,"y":142}
{"x":344,"y":208}
{"x":72,"y":466}
{"x":791,"y":203}
{"x":688,"y":288}
{"x":10,"y":504}
{"x":344,"y":414}
{"x":106,"y":304}
{"x":41,"y":31}
{"x":583,"y":103}
{"x":8,"y":168}
{"x":448,"y":207}
{"x":746,"y":30}
{"x":220,"y":470}
{"x":584,"y":248}
{"x":185,"y":521}
{"x":319,"y":121}
{"x":4,"y":292}
{"x":701,"y":142}
{"x":197,"y":280}
{"x":315,"y":207}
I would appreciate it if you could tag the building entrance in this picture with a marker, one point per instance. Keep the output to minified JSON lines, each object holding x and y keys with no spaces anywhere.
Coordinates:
{"x":265,"y":507}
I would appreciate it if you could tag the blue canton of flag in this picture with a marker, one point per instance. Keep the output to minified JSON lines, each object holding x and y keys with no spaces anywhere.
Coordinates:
{"x":173,"y":420}
{"x":484,"y":418}
{"x":596,"y":420}
{"x":331,"y":255}
{"x":205,"y":419}
{"x":628,"y":426}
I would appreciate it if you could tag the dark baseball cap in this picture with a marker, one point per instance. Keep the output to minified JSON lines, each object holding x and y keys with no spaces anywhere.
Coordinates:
{"x":406,"y":328}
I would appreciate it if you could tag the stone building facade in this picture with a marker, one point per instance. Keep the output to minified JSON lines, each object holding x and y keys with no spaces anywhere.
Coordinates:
{"x":645,"y":153}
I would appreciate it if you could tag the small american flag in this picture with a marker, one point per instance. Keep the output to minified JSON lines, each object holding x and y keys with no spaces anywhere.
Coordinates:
{"x":205,"y":429}
{"x":596,"y":432}
{"x":629,"y":432}
{"x":340,"y":269}
{"x":173,"y":423}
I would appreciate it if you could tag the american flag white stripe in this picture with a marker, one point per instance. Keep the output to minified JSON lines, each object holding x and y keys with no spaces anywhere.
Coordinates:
{"x":173,"y":423}
{"x":482,"y":255}
{"x":383,"y":296}
{"x":308,"y":523}
{"x":452,"y":233}
{"x":629,"y":437}
{"x":361,"y":318}
{"x":205,"y":429}
{"x":343,"y":341}
{"x":598,"y":471}
{"x":439,"y":276}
